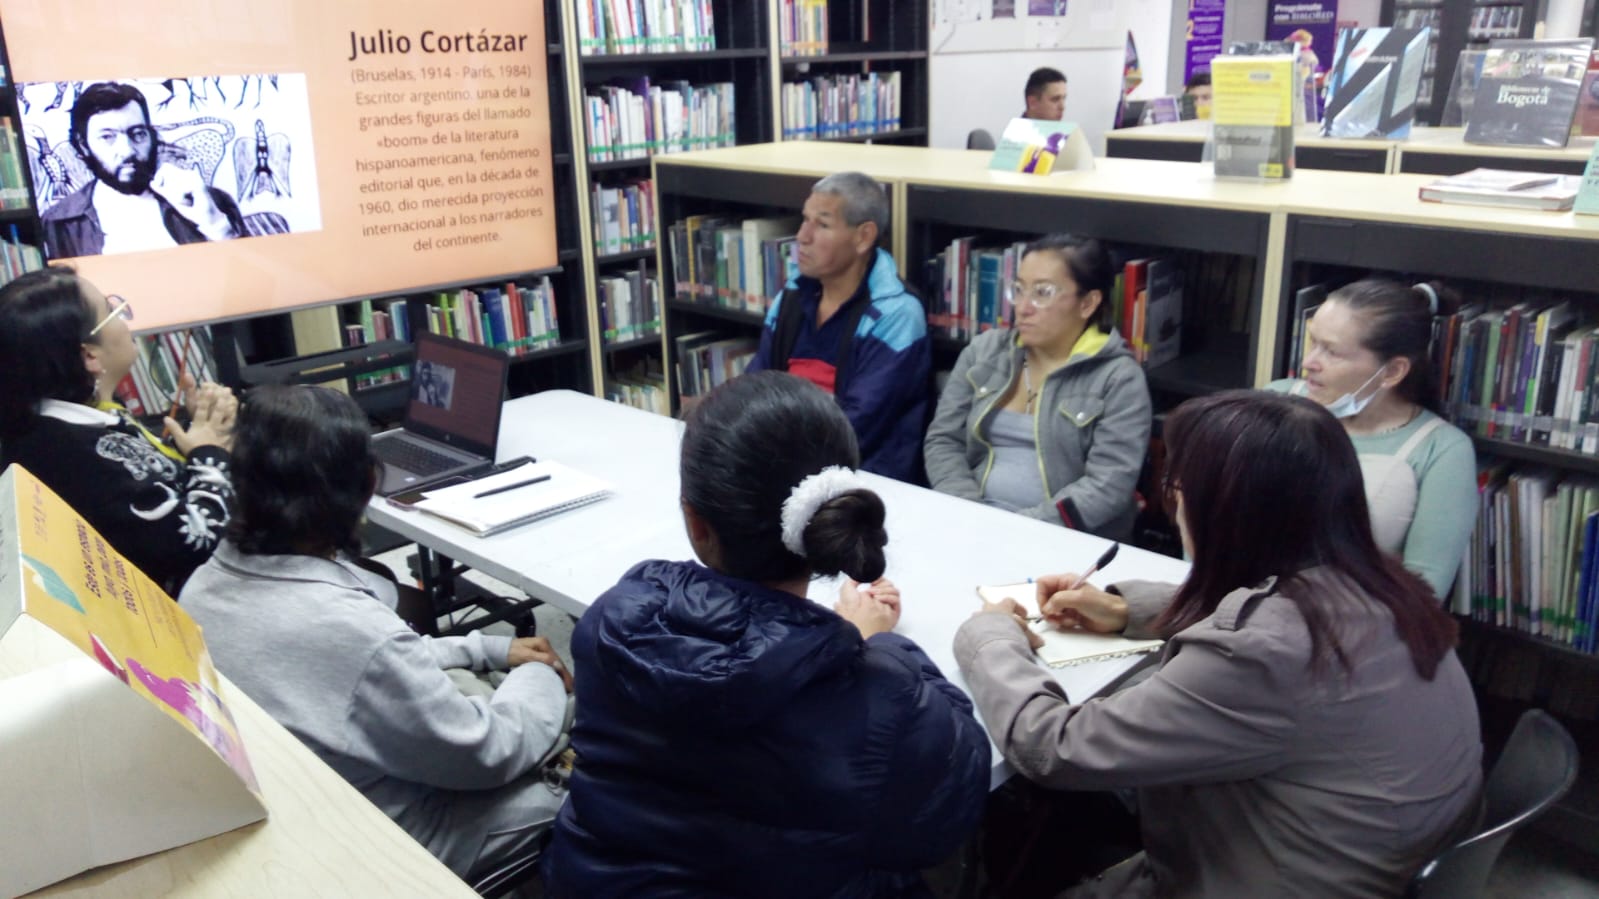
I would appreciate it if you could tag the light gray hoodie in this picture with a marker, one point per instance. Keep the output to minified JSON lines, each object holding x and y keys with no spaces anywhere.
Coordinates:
{"x":316,"y":643}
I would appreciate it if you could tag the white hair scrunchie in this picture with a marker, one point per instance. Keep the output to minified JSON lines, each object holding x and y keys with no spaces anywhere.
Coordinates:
{"x":1432,"y":296}
{"x":809,"y":495}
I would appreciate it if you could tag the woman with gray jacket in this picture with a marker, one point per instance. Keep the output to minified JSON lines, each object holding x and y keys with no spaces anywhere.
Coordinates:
{"x":1309,"y":730}
{"x":1050,"y":418}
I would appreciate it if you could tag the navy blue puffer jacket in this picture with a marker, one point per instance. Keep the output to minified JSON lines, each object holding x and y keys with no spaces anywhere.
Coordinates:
{"x":738,"y":741}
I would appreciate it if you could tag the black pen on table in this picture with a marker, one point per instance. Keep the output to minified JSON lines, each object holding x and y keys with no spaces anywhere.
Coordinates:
{"x":1082,"y":579}
{"x":508,"y":487}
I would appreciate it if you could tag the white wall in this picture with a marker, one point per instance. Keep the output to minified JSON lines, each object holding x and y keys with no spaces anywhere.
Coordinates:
{"x":984,"y":90}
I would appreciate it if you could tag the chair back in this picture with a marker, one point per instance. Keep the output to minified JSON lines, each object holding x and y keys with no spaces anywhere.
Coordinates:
{"x":979,"y":139}
{"x":1538,"y":766}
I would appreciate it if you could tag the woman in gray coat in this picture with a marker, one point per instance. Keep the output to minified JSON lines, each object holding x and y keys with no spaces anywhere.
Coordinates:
{"x":1049,"y":418}
{"x":1309,"y":730}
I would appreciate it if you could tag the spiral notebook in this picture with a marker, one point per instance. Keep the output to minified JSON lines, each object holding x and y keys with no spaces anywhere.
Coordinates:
{"x":1063,"y":648}
{"x":514,"y":497}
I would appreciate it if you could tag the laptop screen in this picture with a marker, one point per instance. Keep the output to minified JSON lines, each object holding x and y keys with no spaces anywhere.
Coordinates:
{"x":456,"y":393}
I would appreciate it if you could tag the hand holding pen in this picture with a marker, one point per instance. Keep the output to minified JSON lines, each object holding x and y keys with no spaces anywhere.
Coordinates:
{"x":1068,"y":600}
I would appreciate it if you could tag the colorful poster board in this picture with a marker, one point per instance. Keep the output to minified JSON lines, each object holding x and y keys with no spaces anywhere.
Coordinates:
{"x":114,"y":734}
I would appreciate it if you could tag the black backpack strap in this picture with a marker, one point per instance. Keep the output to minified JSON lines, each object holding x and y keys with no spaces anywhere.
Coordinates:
{"x":790,"y":317}
{"x":846,"y":341}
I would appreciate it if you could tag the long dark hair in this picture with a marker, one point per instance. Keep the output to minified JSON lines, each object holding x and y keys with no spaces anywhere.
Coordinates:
{"x":1398,"y":324}
{"x":303,"y":470}
{"x":1237,"y":458}
{"x":746,"y":447}
{"x":1088,"y":263}
{"x":44,"y":322}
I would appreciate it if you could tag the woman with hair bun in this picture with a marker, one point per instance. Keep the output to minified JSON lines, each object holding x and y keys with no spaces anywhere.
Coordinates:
{"x":1368,"y":363}
{"x":735,"y":738}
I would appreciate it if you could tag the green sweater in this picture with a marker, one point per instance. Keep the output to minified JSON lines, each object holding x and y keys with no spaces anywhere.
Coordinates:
{"x":1446,"y":502}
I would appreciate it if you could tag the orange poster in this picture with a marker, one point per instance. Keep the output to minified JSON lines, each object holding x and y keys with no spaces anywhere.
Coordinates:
{"x":210,"y":159}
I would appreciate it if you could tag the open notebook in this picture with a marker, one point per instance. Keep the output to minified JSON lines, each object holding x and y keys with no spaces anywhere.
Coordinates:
{"x":515,"y":497}
{"x":1067,"y":647}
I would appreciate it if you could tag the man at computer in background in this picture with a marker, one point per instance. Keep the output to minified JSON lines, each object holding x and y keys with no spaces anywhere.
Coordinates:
{"x":1046,"y":95}
{"x":848,"y":325}
{"x":1199,"y":90}
{"x":134,"y":202}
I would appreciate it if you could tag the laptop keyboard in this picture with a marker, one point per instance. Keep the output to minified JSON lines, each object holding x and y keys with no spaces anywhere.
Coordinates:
{"x":407,"y":456}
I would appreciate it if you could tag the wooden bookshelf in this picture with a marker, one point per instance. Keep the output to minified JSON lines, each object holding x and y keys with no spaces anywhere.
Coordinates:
{"x":863,"y":38}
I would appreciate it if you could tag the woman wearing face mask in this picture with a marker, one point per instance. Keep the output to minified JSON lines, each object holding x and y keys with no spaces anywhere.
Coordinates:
{"x":1367,"y":361}
{"x":1049,"y":418}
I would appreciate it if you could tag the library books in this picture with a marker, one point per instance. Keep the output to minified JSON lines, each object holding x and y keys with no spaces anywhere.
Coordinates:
{"x":841,"y":106}
{"x":1497,"y":187}
{"x":1148,"y":310}
{"x":1532,"y":564}
{"x":642,"y":389}
{"x":708,"y":359}
{"x":1527,"y":93}
{"x":1373,"y":82}
{"x":151,"y":386}
{"x":802,"y":27}
{"x":630,"y":305}
{"x":624,"y":218}
{"x":645,"y":26}
{"x":16,"y":257}
{"x":515,"y":318}
{"x":640,"y":118}
{"x":377,"y":321}
{"x":13,"y":185}
{"x":1253,"y":111}
{"x":730,"y":263}
{"x":1489,"y":21}
{"x":971,"y":289}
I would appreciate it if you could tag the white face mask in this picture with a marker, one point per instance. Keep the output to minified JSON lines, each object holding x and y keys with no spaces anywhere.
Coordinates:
{"x":1349,"y":405}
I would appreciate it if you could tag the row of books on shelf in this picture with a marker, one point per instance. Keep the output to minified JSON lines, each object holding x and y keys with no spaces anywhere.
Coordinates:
{"x":645,"y":26}
{"x":630,"y":305}
{"x":151,"y":386}
{"x":17,"y":257}
{"x":377,"y":321}
{"x":708,"y":359}
{"x":1488,"y":22}
{"x":731,"y":263}
{"x":638,"y":119}
{"x":973,"y":289}
{"x":644,"y":387}
{"x":841,"y":106}
{"x":624,"y":217}
{"x":802,"y":27}
{"x":13,"y":186}
{"x":1532,"y":564}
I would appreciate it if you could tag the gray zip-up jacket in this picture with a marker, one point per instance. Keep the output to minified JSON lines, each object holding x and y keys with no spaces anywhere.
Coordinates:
{"x":1256,"y":776}
{"x":1090,"y":425}
{"x":316,"y":644}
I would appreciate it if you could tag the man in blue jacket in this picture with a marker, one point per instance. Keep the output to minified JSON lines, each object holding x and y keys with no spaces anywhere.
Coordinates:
{"x":848,"y":325}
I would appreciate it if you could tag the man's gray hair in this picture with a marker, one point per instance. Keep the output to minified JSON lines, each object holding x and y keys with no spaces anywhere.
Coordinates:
{"x":864,"y":199}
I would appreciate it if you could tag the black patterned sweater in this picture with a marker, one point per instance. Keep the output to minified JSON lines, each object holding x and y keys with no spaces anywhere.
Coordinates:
{"x":163,"y":515}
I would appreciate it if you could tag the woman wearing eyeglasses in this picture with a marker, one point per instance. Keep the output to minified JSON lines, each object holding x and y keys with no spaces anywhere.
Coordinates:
{"x":1049,"y":418}
{"x":64,"y":348}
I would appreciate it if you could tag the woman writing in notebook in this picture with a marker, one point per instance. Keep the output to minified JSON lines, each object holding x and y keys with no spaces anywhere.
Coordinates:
{"x":736,"y":738}
{"x":1051,"y":418}
{"x":1367,"y":361}
{"x":309,"y":633}
{"x":1309,"y":723}
{"x":64,"y":348}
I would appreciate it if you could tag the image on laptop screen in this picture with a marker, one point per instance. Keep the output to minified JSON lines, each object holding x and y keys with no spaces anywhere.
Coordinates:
{"x":456,"y":393}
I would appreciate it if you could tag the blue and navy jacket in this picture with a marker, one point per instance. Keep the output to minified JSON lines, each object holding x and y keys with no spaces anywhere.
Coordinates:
{"x":735,"y":740}
{"x":882,"y":380}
